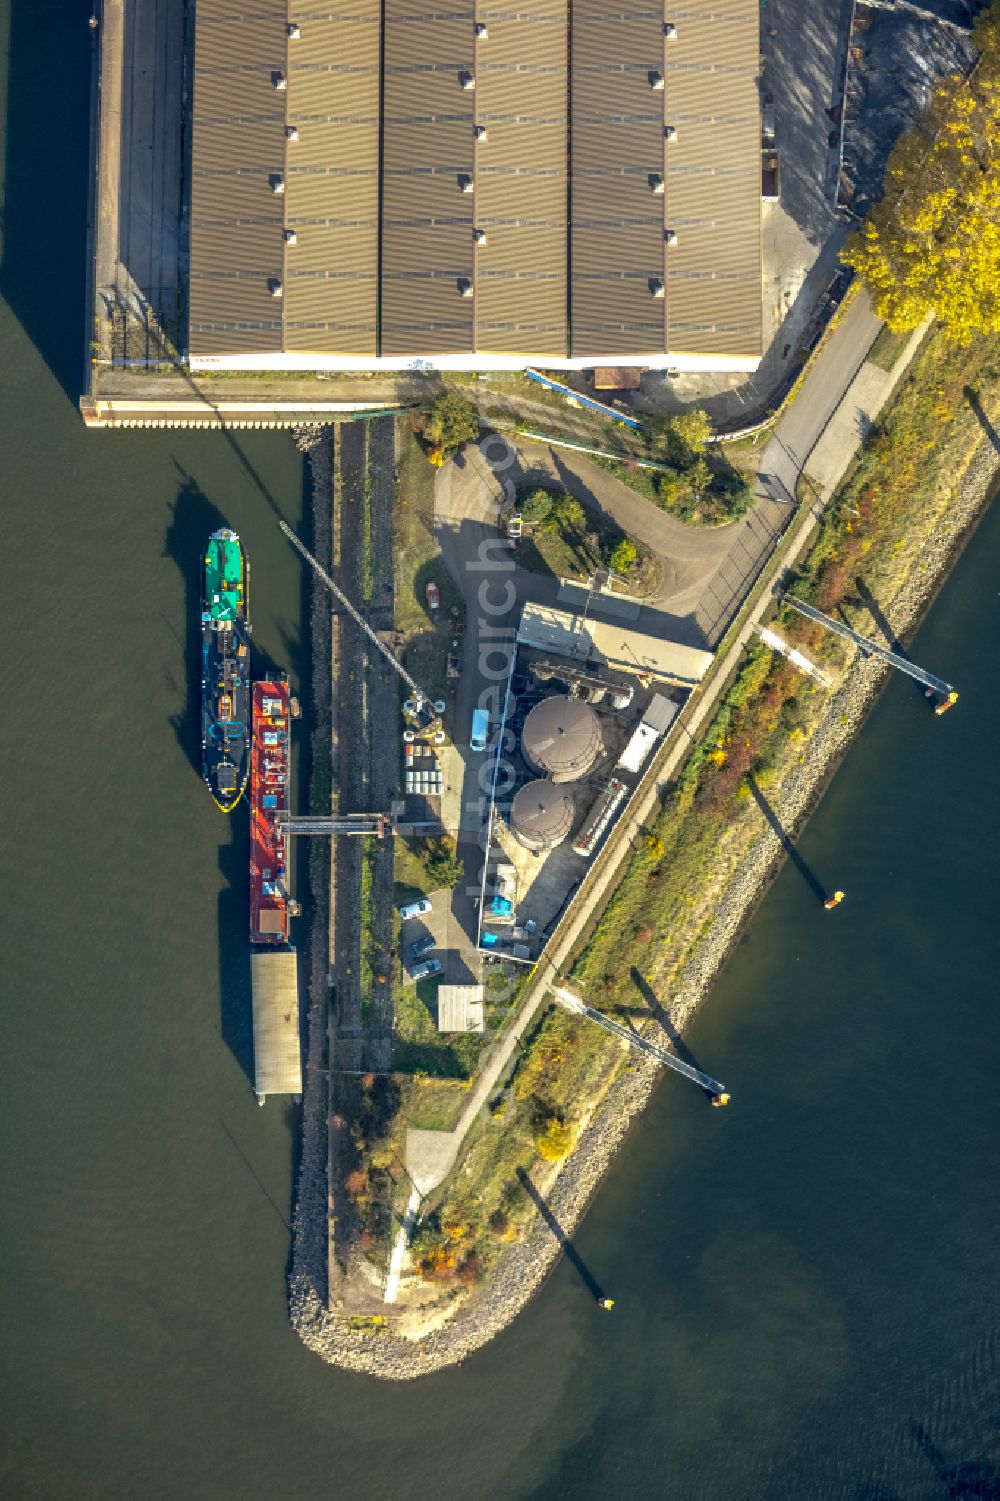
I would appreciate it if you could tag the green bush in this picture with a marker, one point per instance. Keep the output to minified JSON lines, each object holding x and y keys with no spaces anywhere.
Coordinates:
{"x":555,"y":1141}
{"x":682,"y":438}
{"x":566,"y":514}
{"x":623,"y":556}
{"x":444,"y":868}
{"x":452,"y":421}
{"x":537,"y":507}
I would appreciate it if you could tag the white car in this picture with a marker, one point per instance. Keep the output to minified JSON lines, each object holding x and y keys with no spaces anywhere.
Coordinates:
{"x":419,"y":908}
{"x":480,"y":732}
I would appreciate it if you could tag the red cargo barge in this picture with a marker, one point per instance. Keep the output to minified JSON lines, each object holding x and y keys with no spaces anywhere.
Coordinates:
{"x":270,"y":787}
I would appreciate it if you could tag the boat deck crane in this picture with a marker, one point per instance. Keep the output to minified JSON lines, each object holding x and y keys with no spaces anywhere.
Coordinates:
{"x":577,"y":1005}
{"x":421,"y":698}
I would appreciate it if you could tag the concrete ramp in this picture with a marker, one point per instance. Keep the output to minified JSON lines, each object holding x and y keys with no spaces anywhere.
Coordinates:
{"x":430,"y":1156}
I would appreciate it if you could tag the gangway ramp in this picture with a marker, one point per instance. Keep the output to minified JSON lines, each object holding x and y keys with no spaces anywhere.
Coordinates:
{"x":576,"y":1004}
{"x":871,"y":648}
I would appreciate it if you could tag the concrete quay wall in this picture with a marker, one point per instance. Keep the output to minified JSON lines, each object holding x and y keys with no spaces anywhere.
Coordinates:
{"x":98,"y":412}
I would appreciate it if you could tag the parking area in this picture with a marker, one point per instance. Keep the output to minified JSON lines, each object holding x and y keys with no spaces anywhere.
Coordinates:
{"x":451,"y":944}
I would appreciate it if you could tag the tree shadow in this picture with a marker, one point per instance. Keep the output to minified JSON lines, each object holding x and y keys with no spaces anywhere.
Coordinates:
{"x":428,"y":1058}
{"x":662,"y":1015}
{"x":874,"y":609}
{"x":807,"y":874}
{"x":972,"y":397}
{"x":893,"y":642}
{"x":566,"y":1245}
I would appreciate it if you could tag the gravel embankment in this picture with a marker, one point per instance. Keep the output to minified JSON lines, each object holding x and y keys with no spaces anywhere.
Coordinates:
{"x":524,"y":1267}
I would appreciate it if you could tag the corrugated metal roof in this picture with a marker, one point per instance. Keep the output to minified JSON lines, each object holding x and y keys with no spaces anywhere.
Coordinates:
{"x":427,"y":156}
{"x":712,"y":194}
{"x":334,"y":98}
{"x":527,"y":181}
{"x":277,"y":1052}
{"x":238,"y":147}
{"x":520,"y":199}
{"x":616,"y":157}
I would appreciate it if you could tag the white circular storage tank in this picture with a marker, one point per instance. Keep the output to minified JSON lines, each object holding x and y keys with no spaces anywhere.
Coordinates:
{"x":541,"y":815}
{"x":562,"y":738}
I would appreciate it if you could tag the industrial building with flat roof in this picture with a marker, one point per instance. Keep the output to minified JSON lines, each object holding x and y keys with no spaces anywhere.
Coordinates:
{"x":602,"y":643}
{"x":380,"y":182}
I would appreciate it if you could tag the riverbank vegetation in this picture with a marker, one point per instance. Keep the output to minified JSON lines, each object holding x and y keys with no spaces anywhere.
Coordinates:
{"x":870,"y":540}
{"x":933,"y":244}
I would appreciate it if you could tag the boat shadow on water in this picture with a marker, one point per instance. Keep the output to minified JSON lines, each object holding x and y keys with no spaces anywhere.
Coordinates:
{"x":235,"y":1005}
{"x":193,"y":520}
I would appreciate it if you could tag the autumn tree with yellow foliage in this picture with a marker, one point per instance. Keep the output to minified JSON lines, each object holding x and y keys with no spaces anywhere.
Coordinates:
{"x":933,"y":243}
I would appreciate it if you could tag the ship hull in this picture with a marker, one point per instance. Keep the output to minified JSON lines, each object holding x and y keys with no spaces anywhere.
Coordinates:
{"x":225,"y":674}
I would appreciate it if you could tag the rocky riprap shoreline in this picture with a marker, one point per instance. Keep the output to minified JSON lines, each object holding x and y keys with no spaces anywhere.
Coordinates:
{"x":524,"y":1267}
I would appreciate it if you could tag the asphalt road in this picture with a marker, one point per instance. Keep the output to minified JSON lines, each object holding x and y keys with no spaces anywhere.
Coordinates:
{"x":821,"y":393}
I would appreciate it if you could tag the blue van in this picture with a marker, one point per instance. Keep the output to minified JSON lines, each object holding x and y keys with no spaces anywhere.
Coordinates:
{"x":480,"y":729}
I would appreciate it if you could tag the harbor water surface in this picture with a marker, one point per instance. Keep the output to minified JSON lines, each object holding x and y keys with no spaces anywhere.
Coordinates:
{"x":805,"y":1283}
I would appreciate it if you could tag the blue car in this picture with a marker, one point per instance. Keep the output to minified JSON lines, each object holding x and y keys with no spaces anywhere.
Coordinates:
{"x":420,"y":948}
{"x":425,"y":970}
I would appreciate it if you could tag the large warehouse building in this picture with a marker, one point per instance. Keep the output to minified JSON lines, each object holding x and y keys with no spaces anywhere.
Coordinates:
{"x":381,"y":182}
